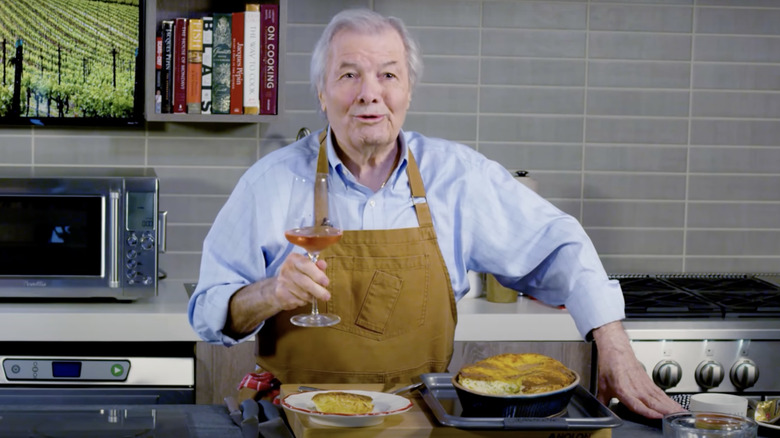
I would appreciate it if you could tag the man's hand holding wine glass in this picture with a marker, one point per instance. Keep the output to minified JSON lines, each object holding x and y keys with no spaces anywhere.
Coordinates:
{"x":299,"y":281}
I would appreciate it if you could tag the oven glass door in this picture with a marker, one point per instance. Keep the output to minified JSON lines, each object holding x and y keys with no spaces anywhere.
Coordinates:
{"x":52,"y":236}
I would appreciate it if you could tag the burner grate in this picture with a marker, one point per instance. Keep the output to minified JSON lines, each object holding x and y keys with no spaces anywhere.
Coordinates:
{"x":655,"y":303}
{"x":722,"y":284}
{"x":746,"y":304}
{"x":699,"y":296}
{"x":645,"y":284}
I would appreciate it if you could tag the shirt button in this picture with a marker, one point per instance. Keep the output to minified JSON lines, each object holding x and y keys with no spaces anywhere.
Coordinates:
{"x":372,"y":203}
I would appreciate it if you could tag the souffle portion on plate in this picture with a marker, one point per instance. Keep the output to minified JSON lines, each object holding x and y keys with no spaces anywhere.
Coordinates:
{"x":336,"y":402}
{"x":516,"y":374}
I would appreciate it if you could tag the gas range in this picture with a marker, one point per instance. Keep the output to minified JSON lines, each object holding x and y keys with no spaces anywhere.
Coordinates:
{"x":706,"y":332}
{"x":700,"y":296}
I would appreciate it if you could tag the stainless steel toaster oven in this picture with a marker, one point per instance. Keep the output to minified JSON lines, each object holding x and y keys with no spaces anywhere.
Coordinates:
{"x":79,"y":232}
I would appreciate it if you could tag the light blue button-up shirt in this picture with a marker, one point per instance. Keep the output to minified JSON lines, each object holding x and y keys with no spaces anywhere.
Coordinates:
{"x":485,"y":221}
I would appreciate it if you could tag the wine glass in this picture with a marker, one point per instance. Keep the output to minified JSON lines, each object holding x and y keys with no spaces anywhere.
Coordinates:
{"x":313,"y":226}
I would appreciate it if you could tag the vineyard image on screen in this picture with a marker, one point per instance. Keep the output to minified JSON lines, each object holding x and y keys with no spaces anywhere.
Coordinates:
{"x":69,"y":60}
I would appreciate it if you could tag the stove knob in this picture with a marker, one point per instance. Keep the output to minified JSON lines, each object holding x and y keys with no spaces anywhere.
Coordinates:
{"x":709,"y":374}
{"x":744,"y":374}
{"x":667,"y":374}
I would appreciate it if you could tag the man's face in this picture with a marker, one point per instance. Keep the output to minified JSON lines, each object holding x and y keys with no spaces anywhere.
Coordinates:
{"x":366,"y":92}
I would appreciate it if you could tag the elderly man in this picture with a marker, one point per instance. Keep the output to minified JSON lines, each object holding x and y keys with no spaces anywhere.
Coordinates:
{"x":418,"y":213}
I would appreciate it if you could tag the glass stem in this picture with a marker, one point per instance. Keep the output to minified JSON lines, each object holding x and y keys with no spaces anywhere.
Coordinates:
{"x":315,"y":309}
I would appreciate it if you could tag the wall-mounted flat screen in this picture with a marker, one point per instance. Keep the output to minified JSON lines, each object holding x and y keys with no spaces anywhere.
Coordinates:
{"x":71,"y":62}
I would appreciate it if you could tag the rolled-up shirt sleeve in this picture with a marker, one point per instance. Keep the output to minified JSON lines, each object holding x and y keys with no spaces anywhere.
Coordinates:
{"x":234,"y":256}
{"x":486,"y":221}
{"x":547,"y":254}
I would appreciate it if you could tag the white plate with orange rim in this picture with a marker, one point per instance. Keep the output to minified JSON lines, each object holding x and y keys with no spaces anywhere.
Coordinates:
{"x":384,"y":405}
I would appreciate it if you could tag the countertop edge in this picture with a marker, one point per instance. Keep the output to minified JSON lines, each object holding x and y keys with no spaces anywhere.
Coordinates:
{"x":164,"y":319}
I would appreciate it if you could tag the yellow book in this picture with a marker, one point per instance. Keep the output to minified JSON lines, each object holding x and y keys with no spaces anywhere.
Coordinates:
{"x":194,"y":64}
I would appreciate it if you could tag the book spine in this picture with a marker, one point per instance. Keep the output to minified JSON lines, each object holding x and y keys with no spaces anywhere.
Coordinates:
{"x":269,"y":14}
{"x":180,"y":67}
{"x":220,"y":86}
{"x":252,"y":59}
{"x":167,"y":67}
{"x":237,"y":64}
{"x":194,"y":64}
{"x":158,"y":74}
{"x":206,"y":86}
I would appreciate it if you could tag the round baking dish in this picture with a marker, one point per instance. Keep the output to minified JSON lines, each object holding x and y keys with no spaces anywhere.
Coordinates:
{"x":546,"y":404}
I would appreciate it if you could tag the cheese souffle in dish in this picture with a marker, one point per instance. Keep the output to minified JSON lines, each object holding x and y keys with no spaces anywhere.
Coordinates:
{"x":515,"y":385}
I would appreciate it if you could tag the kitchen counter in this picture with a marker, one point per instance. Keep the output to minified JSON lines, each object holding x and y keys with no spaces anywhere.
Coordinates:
{"x":164,"y":318}
{"x":530,"y":320}
{"x":160,"y":318}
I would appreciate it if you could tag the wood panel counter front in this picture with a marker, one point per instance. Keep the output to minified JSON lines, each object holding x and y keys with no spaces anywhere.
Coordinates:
{"x":419,"y":421}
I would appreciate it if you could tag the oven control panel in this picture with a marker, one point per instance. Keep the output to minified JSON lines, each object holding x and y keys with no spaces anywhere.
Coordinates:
{"x":689,"y":366}
{"x":53,"y":371}
{"x":26,"y":369}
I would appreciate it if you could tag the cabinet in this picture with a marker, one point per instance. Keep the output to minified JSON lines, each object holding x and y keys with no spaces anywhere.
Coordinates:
{"x":158,"y":10}
{"x":219,"y":369}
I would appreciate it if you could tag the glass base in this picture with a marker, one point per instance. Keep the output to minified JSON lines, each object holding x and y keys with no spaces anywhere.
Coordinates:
{"x":315,"y":320}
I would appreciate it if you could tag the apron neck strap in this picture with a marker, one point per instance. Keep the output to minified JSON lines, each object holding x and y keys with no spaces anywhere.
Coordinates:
{"x":322,"y":159}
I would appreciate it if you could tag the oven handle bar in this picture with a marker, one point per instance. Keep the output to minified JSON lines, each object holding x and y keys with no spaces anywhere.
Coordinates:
{"x":113,"y":272}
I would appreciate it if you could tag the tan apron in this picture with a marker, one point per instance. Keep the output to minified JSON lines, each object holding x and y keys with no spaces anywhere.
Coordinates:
{"x":393,"y":293}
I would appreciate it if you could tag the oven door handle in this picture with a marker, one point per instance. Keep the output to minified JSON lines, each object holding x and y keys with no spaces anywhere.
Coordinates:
{"x":162,"y":228}
{"x":116,"y":245}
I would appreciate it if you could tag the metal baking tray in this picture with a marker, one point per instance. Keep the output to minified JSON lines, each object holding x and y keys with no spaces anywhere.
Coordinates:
{"x":584,"y":412}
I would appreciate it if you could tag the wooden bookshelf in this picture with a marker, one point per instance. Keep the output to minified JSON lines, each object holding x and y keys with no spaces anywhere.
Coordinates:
{"x":158,"y":10}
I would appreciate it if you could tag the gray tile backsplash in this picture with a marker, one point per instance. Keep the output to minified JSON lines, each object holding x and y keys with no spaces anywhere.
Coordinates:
{"x":527,"y":100}
{"x":638,"y":103}
{"x":76,"y":150}
{"x":640,"y":18}
{"x":639,"y":74}
{"x":534,"y":15}
{"x":639,"y":46}
{"x":738,"y":21}
{"x":15,"y":150}
{"x":656,"y":123}
{"x":533,"y":43}
{"x":635,"y":158}
{"x":736,"y":48}
{"x":735,"y":132}
{"x":449,"y":13}
{"x":736,"y":76}
{"x":659,"y":131}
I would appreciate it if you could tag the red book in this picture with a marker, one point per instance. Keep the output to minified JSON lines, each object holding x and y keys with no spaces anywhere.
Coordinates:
{"x":180,"y":67}
{"x":237,"y":64}
{"x":269,"y":17}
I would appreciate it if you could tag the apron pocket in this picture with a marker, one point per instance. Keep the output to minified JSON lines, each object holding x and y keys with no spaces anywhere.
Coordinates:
{"x":378,"y":297}
{"x":379,"y":302}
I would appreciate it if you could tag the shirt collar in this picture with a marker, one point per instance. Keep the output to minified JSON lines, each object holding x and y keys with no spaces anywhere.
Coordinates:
{"x":341,"y":170}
